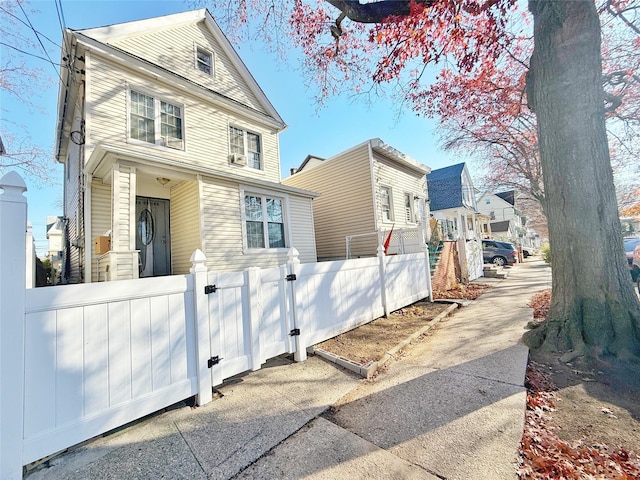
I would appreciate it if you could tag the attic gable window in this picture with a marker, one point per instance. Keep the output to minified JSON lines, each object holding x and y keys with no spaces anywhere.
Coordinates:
{"x":155,"y":121}
{"x":204,"y":60}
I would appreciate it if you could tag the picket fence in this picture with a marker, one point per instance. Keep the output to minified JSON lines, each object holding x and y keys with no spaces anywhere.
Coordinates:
{"x":80,"y":360}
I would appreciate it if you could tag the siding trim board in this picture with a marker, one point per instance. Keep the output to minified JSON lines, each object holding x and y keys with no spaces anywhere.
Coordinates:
{"x":104,"y":156}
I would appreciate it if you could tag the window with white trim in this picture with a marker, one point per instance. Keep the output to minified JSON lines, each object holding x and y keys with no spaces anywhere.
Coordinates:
{"x":386,"y":205}
{"x":408,"y":208}
{"x":264,"y":221}
{"x":155,"y":121}
{"x":204,"y":60}
{"x":245,"y":144}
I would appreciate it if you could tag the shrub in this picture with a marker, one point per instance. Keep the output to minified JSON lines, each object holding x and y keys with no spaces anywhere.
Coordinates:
{"x":545,"y":252}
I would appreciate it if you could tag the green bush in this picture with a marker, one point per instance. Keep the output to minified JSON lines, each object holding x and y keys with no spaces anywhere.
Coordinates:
{"x":545,"y":252}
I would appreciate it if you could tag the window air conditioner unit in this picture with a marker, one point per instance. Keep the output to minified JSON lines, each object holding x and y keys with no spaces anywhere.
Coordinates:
{"x":238,"y":159}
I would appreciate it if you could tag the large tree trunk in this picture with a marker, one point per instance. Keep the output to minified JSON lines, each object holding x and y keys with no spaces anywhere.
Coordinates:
{"x":594,"y":310}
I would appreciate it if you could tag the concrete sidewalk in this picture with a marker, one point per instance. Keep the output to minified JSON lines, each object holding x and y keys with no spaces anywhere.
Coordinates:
{"x":452,"y":408}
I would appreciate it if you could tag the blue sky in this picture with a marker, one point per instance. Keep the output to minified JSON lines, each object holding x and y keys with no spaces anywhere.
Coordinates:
{"x":339,"y":125}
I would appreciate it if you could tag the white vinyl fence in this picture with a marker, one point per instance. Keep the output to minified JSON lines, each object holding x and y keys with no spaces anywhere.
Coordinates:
{"x":80,"y":360}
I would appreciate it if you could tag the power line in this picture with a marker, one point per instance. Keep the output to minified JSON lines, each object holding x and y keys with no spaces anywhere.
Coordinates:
{"x":27,"y":53}
{"x":39,"y":40}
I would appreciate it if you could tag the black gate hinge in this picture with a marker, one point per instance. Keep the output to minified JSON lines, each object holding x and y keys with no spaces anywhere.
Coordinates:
{"x":295,"y":332}
{"x":291,"y":277}
{"x":210,"y":289}
{"x":213,"y":361}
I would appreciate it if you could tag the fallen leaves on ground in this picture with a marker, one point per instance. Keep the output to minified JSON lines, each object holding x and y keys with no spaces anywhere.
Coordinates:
{"x":543,"y":455}
{"x":540,"y":303}
{"x":469,"y":291}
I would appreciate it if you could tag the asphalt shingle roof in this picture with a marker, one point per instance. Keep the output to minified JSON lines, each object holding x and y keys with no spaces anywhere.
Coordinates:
{"x":445,"y":187}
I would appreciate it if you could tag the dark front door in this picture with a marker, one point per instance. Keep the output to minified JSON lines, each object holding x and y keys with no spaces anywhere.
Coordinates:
{"x":152,"y":236}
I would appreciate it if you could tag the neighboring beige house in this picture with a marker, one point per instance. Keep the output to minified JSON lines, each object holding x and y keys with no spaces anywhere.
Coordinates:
{"x":364,"y":193}
{"x":170,"y":145}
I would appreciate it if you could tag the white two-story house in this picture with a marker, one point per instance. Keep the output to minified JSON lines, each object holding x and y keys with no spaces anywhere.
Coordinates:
{"x":169,"y":145}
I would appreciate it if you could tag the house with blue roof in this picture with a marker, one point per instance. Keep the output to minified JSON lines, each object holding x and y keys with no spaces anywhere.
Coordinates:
{"x":452,"y":204}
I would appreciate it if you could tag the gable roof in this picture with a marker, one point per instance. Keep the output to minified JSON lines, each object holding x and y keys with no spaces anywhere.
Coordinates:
{"x":377,"y":146}
{"x":509,"y":196}
{"x":105,"y":40}
{"x":444,"y":186}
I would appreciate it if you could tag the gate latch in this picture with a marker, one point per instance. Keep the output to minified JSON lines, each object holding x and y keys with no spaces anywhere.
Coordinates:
{"x":210,"y":289}
{"x":213,"y":361}
{"x":291,"y":277}
{"x":295,"y":332}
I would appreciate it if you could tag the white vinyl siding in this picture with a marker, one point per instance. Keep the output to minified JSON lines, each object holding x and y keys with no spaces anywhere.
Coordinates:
{"x":123,"y":197}
{"x":172,"y":48}
{"x":75,"y":226}
{"x":345,"y":204}
{"x":100,"y":217}
{"x":222,"y":235}
{"x":302,"y":230}
{"x":185,"y":225}
{"x":205,"y":128}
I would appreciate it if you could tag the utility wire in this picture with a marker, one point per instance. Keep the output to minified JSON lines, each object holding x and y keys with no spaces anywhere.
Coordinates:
{"x":27,"y":53}
{"x":27,"y":25}
{"x":39,"y":40}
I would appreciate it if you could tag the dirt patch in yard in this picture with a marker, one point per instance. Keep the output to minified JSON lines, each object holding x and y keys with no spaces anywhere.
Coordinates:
{"x":582,"y":422}
{"x":370,"y":342}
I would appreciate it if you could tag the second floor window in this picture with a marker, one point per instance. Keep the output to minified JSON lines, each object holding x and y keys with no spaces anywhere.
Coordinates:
{"x":246,"y":145}
{"x":155,"y":121}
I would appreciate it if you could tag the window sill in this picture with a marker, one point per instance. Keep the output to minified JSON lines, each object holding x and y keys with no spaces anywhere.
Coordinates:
{"x":263,"y":251}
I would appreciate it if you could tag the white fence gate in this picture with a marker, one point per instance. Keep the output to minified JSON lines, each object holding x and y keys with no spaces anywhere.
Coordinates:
{"x":79,"y":360}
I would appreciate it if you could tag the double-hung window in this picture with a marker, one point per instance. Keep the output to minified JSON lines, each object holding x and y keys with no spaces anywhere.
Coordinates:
{"x":204,"y":60}
{"x":264,"y":221}
{"x":247,"y":145}
{"x":386,"y":204}
{"x":155,"y":121}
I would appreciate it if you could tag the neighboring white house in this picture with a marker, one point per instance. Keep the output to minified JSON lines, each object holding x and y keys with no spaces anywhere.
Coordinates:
{"x":55,"y":231}
{"x":169,"y":145}
{"x":507,"y":222}
{"x":453,"y":205}
{"x":364,"y":193}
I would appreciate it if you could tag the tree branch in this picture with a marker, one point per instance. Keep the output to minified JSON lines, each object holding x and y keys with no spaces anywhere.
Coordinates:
{"x":375,"y":12}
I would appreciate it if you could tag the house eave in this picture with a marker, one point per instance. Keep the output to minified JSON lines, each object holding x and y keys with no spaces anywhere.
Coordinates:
{"x":388,"y":151}
{"x":105,"y":155}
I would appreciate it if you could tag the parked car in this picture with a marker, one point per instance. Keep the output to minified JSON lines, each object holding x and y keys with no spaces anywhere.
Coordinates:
{"x":499,"y":253}
{"x":528,"y":252}
{"x":631,"y":244}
